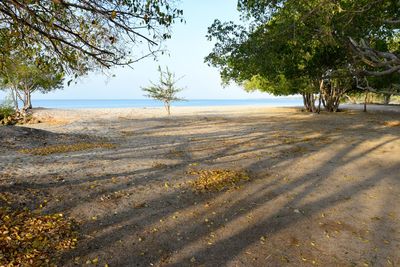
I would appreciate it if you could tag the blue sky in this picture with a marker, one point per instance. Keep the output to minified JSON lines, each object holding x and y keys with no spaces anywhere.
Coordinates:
{"x":187,"y":50}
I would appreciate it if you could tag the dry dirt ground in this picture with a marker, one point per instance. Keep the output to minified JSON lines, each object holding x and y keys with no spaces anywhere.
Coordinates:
{"x":324,"y":189}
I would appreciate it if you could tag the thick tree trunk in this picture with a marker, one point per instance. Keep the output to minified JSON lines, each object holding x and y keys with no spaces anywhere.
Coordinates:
{"x":28,"y":100}
{"x":365,"y":102}
{"x":331,"y":96}
{"x":309,"y":102}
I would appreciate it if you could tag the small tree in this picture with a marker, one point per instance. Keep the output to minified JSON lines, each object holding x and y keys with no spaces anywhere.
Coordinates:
{"x":23,"y":78}
{"x":166,"y":90}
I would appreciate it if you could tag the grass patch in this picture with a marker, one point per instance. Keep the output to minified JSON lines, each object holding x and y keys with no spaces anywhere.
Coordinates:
{"x":217,"y":180}
{"x":47,"y":150}
{"x":30,"y":239}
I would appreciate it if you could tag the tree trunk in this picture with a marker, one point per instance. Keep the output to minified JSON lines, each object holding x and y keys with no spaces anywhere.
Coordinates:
{"x":29,"y":100}
{"x":386,"y":99}
{"x":331,"y":96}
{"x":167,"y":107}
{"x":320,"y":96}
{"x":365,"y":102}
{"x":20,"y":97}
{"x":15,"y":99}
{"x":352,"y":100}
{"x":309,"y":102}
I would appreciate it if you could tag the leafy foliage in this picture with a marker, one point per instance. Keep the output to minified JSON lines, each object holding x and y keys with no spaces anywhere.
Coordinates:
{"x":24,"y":78}
{"x":166,"y":89}
{"x":24,"y":71}
{"x":298,"y":47}
{"x":6,"y":112}
{"x":83,"y":35}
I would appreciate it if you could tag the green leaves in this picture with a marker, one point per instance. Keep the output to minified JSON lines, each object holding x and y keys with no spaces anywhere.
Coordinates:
{"x":288,"y":47}
{"x":165,"y":90}
{"x":85,"y":35}
{"x":24,"y":75}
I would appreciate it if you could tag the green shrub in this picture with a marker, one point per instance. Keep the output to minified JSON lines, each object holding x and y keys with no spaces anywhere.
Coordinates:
{"x":6,"y":111}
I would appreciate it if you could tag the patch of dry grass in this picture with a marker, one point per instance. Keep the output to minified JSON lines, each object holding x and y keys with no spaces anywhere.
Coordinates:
{"x":30,"y":239}
{"x":53,"y":149}
{"x":217,"y":180}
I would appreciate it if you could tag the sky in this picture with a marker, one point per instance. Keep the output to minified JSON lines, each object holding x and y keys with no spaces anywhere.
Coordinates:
{"x":187,"y":50}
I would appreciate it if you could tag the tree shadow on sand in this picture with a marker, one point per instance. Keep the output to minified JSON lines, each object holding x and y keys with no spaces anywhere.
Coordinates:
{"x":320,"y":193}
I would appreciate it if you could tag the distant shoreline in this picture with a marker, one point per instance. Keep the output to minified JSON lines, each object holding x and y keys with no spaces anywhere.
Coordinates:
{"x":112,"y":114}
{"x":149,"y":103}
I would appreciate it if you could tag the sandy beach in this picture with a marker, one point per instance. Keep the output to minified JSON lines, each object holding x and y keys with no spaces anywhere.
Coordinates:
{"x":323,"y":189}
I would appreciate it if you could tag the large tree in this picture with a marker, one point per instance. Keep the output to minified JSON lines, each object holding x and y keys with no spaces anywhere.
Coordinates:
{"x":83,"y":35}
{"x":300,"y":46}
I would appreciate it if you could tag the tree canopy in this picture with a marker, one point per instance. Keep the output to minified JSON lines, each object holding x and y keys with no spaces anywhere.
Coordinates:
{"x":22,"y":77}
{"x":84,"y":35}
{"x":303,"y":47}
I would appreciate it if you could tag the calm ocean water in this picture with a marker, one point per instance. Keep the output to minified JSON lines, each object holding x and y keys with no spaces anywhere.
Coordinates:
{"x":148,"y":103}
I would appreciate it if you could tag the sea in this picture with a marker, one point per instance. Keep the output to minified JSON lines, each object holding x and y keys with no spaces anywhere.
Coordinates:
{"x":149,"y":103}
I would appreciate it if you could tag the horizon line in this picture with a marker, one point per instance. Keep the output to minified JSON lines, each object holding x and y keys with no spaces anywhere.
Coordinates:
{"x":195,"y":99}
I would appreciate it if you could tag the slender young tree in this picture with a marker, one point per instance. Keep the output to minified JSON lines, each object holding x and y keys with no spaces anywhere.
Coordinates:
{"x":165,"y":90}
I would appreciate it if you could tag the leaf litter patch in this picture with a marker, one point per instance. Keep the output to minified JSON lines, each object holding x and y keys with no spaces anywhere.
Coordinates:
{"x":217,"y":179}
{"x":31,"y":239}
{"x":53,"y":149}
{"x":392,"y":123}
